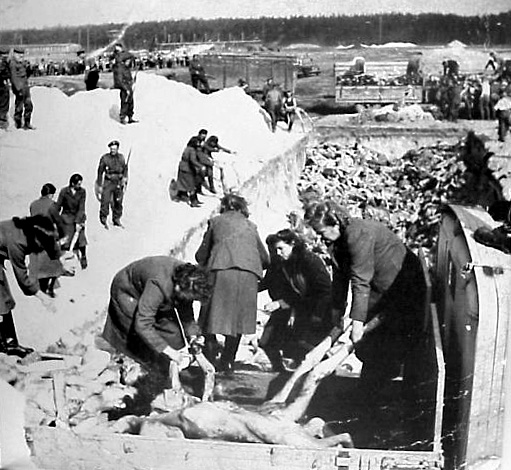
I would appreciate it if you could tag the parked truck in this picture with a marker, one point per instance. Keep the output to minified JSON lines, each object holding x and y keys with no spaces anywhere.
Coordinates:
{"x":380,"y":83}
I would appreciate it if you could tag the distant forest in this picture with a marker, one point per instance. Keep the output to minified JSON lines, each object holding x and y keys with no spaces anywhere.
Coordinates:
{"x":423,"y":29}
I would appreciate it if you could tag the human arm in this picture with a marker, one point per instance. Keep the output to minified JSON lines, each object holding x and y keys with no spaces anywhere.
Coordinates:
{"x":361,"y":251}
{"x":263,"y":253}
{"x":202,"y":254}
{"x":17,"y":253}
{"x":145,"y":320}
{"x":100,"y":172}
{"x":80,"y":214}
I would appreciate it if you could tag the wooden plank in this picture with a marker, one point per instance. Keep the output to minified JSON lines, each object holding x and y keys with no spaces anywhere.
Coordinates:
{"x":497,"y":395}
{"x":440,"y":391}
{"x":54,"y":448}
{"x":486,"y":414}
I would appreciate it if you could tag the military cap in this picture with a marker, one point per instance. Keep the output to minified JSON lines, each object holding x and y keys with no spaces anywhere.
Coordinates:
{"x":114,"y":142}
{"x":4,"y":50}
{"x":19,"y":50}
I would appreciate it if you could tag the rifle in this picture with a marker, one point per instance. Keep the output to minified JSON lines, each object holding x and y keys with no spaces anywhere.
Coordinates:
{"x":125,"y":184}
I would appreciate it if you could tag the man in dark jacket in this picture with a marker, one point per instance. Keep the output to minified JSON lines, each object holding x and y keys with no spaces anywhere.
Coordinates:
{"x":4,"y":88}
{"x":150,"y":316}
{"x":23,"y":106}
{"x":386,"y":280}
{"x":71,"y":205}
{"x":124,"y":82}
{"x":198,"y":74}
{"x":110,"y":183}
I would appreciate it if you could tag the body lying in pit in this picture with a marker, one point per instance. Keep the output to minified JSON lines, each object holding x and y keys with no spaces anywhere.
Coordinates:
{"x":276,"y":422}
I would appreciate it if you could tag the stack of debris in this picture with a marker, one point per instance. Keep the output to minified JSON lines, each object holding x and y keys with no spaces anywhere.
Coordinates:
{"x":405,"y":194}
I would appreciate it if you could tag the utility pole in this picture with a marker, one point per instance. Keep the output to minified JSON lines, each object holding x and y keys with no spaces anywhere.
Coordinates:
{"x":88,"y":39}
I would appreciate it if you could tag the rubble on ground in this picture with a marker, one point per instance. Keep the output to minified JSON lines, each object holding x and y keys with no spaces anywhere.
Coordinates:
{"x":406,"y":194}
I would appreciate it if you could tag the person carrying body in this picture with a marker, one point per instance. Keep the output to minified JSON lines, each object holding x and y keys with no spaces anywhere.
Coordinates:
{"x":150,"y":316}
{"x":386,"y":280}
{"x":301,"y":291}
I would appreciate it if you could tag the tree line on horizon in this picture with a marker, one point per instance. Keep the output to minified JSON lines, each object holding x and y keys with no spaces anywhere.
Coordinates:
{"x":423,"y":29}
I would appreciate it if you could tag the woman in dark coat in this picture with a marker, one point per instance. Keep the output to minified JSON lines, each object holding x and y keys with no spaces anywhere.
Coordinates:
{"x":19,"y":238}
{"x":236,"y":256}
{"x":44,"y":269}
{"x":190,"y":174}
{"x":71,"y":204}
{"x":300,"y":287}
{"x":386,"y":280}
{"x":150,"y":310}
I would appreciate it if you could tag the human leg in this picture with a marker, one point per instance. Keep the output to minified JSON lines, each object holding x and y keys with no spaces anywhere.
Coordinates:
{"x":8,"y":338}
{"x":106,"y":197}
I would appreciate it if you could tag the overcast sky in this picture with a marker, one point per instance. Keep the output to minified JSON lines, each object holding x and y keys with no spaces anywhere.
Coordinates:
{"x":24,"y":14}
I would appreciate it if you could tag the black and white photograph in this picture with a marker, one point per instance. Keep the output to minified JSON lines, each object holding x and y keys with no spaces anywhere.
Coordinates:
{"x":255,"y":235}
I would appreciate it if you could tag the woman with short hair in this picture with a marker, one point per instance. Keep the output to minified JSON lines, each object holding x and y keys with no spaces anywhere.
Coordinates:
{"x":233,"y":251}
{"x":386,"y":280}
{"x":44,"y":269}
{"x":150,"y":315}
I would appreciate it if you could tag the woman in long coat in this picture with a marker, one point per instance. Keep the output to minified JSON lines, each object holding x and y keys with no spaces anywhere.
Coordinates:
{"x":71,"y":204}
{"x":150,"y":300}
{"x":301,"y":291}
{"x":386,"y":281}
{"x":190,"y":174}
{"x":19,"y":238}
{"x":44,"y":269}
{"x":236,"y":256}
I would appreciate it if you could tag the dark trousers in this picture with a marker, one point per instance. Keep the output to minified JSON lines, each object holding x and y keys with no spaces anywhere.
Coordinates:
{"x":23,"y":106}
{"x":4,"y":106}
{"x":198,"y":80}
{"x":127,"y":104}
{"x":504,"y":118}
{"x":111,"y":196}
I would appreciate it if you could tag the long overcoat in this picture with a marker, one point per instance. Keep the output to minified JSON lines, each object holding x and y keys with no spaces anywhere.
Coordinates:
{"x":386,"y":279}
{"x":41,"y":266}
{"x":14,"y":247}
{"x":72,"y":211}
{"x":143,"y":312}
{"x":233,"y":251}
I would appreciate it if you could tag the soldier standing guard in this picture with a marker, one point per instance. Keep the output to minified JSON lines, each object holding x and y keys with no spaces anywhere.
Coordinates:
{"x":23,"y":106}
{"x":124,"y":82}
{"x":4,"y":89}
{"x":110,"y":184}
